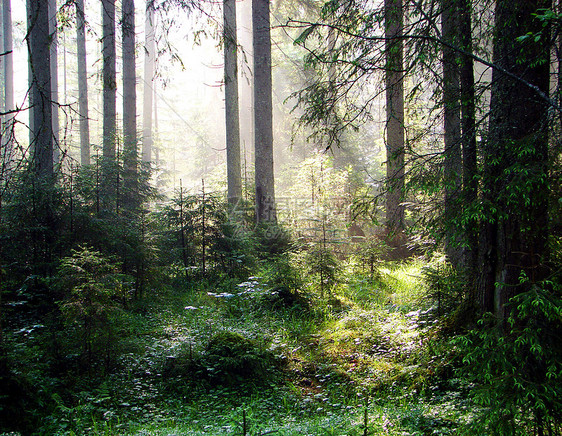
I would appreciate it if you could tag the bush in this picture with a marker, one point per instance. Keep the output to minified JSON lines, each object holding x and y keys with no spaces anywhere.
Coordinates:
{"x":517,"y":368}
{"x":230,"y":357}
{"x":320,"y":262}
{"x":227,"y":359}
{"x":93,"y":296}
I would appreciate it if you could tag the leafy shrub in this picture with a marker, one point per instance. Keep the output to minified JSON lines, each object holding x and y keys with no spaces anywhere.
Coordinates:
{"x":93,"y":295}
{"x":279,"y":272}
{"x":272,"y":240}
{"x":517,"y":368}
{"x":230,"y":357}
{"x":321,"y":263}
{"x":446,"y":289}
{"x":227,"y":358}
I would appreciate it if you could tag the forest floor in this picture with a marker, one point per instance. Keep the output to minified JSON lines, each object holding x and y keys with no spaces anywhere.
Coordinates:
{"x":244,"y":359}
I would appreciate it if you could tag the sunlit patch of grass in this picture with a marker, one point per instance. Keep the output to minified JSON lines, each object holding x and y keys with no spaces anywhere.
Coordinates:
{"x":405,"y":284}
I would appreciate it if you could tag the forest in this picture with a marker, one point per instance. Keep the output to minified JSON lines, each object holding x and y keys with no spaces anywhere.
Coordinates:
{"x":299,"y":217}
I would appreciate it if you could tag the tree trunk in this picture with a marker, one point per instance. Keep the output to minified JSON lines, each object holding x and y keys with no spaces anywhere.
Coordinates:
{"x":149,"y":59}
{"x":53,"y":32}
{"x":109,"y":178}
{"x":8,"y":126}
{"x":452,"y":131}
{"x":234,"y":172}
{"x":515,"y":180}
{"x":468,"y":139}
{"x":130,"y":153}
{"x":82,"y":83}
{"x":41,"y":133}
{"x":394,"y":115}
{"x":109,"y":80}
{"x":263,"y":115}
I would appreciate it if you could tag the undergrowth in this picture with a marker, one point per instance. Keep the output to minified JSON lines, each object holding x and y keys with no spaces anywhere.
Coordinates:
{"x":267,"y":356}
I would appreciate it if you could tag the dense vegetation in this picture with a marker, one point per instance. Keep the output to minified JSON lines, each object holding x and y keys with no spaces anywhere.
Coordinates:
{"x":425,"y":301}
{"x":120,"y":326}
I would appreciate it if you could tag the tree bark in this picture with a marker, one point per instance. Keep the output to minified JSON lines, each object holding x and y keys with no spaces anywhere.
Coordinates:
{"x":130,"y":153}
{"x":109,"y":80}
{"x":53,"y":32}
{"x":394,"y":73}
{"x":8,"y":126}
{"x":234,"y":172}
{"x":82,"y":83}
{"x":515,"y":180}
{"x":149,"y":59}
{"x":468,"y":139}
{"x":109,"y":175}
{"x":263,"y":114}
{"x":41,"y":133}
{"x":452,"y":131}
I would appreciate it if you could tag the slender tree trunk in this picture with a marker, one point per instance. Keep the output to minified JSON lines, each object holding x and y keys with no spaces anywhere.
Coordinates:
{"x":8,"y":126}
{"x":109,"y":167}
{"x":263,"y":113}
{"x":515,"y":179}
{"x":246,"y":83}
{"x":109,"y":80}
{"x":452,"y":131}
{"x":41,"y":134}
{"x":394,"y":115}
{"x":468,"y":138}
{"x":53,"y":32}
{"x":155,"y":148}
{"x":130,"y":153}
{"x":149,"y":59}
{"x":82,"y":83}
{"x":234,"y":172}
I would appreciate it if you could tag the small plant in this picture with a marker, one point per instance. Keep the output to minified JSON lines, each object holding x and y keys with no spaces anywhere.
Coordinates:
{"x":93,"y":296}
{"x":320,"y":262}
{"x":445,"y":286}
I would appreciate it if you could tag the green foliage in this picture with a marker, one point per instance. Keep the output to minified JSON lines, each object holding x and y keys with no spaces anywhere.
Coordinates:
{"x":370,"y":253}
{"x":200,"y":239}
{"x":272,"y":240}
{"x":445,"y":286}
{"x":228,"y":358}
{"x":517,"y":368}
{"x":93,"y":296}
{"x":321,"y":263}
{"x":280,"y":272}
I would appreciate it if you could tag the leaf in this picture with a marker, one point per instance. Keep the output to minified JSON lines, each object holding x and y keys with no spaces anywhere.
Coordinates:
{"x":301,"y":39}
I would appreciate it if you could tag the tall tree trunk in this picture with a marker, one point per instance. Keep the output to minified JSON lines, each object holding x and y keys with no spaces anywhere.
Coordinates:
{"x":8,"y":126}
{"x":82,"y":83}
{"x":263,"y":113}
{"x":515,"y":179}
{"x":41,"y":134}
{"x":130,"y":153}
{"x":234,"y":172}
{"x":109,"y":80}
{"x":246,"y":84}
{"x":53,"y":31}
{"x":452,"y":131}
{"x":394,"y":114}
{"x":149,"y":59}
{"x":468,"y":138}
{"x":155,"y":148}
{"x":109,"y":179}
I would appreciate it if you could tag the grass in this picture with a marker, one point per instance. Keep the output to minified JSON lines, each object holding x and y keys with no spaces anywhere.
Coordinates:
{"x":362,"y":349}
